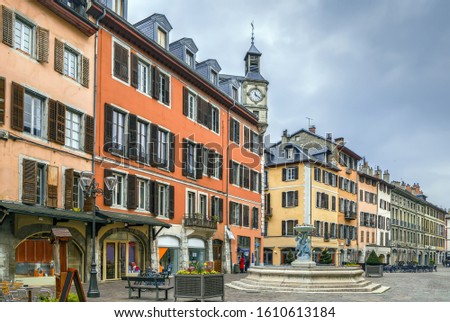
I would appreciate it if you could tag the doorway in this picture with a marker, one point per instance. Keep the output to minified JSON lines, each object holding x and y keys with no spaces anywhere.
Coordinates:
{"x":217,"y":254}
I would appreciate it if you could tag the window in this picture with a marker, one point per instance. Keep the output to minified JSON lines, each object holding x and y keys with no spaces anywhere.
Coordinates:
{"x":40,"y":184}
{"x":235,"y":178}
{"x":254,"y":142}
{"x":118,"y":191}
{"x":23,"y":35}
{"x":143,"y":77}
{"x":118,"y":129}
{"x":192,"y":106}
{"x":291,"y":173}
{"x":161,"y":37}
{"x":143,"y":195}
{"x":163,"y":201}
{"x":78,"y":197}
{"x":287,"y":227}
{"x":234,"y":131}
{"x":255,"y":218}
{"x":73,"y":129}
{"x":117,"y":6}
{"x":290,"y":199}
{"x":189,"y":59}
{"x":142,"y":141}
{"x":33,"y":114}
{"x":191,"y":159}
{"x":245,"y":177}
{"x":163,"y":148}
{"x":215,"y":119}
{"x":164,"y":88}
{"x":245,"y":216}
{"x":333,"y":203}
{"x":235,"y":213}
{"x":254,"y":184}
{"x":121,"y":63}
{"x":191,"y":203}
{"x":290,"y":154}
{"x":203,"y":206}
{"x":217,"y":166}
{"x":71,"y":63}
{"x":234,"y":93}
{"x":213,"y":77}
{"x":206,"y":161}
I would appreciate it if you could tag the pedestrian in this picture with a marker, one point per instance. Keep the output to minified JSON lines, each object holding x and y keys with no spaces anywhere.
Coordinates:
{"x":242,"y":264}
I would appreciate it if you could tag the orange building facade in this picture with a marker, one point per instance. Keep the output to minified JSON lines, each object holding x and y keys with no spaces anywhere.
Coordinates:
{"x":188,"y":173}
{"x":46,"y":131}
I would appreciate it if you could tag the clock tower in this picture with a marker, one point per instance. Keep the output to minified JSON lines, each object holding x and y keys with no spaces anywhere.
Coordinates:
{"x":254,"y":87}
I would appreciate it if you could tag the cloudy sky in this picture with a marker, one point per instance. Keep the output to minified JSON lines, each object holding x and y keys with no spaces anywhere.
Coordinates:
{"x":374,"y":72}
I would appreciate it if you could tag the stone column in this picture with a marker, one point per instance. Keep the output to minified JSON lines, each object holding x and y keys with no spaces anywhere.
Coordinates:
{"x":184,"y":249}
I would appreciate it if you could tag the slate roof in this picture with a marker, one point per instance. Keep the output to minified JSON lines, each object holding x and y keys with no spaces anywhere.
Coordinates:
{"x":188,"y":42}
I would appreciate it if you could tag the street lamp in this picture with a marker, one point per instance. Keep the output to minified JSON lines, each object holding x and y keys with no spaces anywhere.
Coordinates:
{"x":91,"y":190}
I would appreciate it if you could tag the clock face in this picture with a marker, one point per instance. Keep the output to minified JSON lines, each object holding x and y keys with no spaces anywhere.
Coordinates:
{"x":255,"y":95}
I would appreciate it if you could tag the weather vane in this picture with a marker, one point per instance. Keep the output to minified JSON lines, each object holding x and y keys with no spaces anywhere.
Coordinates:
{"x":253,"y":33}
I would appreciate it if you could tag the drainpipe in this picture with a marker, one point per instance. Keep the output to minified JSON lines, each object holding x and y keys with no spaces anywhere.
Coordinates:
{"x":228,"y":182}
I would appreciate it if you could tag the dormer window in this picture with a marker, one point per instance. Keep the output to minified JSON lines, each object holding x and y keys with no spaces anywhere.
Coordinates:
{"x":189,"y":59}
{"x":162,"y":36}
{"x":290,"y":154}
{"x":213,"y":77}
{"x":234,"y":93}
{"x":118,"y":6}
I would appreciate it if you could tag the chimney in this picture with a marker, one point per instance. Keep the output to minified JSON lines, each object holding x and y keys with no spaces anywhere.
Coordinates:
{"x":329,"y":136}
{"x":339,"y":141}
{"x":378,"y":173}
{"x":408,"y":188}
{"x":284,"y":137}
{"x":386,"y":176}
{"x":312,"y":129}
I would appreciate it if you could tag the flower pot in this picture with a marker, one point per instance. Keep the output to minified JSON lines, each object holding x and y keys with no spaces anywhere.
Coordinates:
{"x":199,"y":287}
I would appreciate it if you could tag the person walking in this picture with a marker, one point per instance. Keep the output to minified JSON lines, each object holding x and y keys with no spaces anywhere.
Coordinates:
{"x":242,"y":264}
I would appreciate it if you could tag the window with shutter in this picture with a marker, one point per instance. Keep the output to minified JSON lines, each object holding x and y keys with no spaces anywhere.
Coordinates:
{"x":59,"y":56}
{"x":171,"y":202}
{"x":199,"y":161}
{"x":84,"y":79}
{"x":17,"y":106}
{"x":245,"y":216}
{"x":29,"y":182}
{"x":52,"y":186}
{"x":120,"y":69}
{"x":89,"y":134}
{"x":134,"y":70}
{"x":57,"y":122}
{"x":107,"y":194}
{"x":255,"y":219}
{"x":132,"y":193}
{"x":2,"y":99}
{"x":68,"y":189}
{"x":42,"y":44}
{"x":8,"y":29}
{"x":155,"y":82}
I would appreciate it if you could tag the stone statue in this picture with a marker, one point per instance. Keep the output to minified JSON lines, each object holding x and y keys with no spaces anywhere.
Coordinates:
{"x":303,"y":249}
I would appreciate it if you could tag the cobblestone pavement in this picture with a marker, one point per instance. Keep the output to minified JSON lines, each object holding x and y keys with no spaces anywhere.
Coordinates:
{"x":404,"y":287}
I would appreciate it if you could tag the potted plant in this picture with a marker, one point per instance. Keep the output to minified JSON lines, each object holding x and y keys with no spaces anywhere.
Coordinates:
{"x":325,"y":257}
{"x":373,"y":266}
{"x":199,"y":282}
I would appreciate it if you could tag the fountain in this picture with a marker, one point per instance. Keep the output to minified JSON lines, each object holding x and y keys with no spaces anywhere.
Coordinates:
{"x":303,"y":276}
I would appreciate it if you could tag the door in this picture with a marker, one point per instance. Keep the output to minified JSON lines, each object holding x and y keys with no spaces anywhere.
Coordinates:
{"x":217,"y":256}
{"x":110,"y":260}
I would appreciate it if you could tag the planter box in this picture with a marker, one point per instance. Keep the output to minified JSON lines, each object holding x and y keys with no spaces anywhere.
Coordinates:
{"x":374,"y":270}
{"x":199,"y":287}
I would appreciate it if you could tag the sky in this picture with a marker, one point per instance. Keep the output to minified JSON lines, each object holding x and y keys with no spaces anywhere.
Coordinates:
{"x":374,"y":72}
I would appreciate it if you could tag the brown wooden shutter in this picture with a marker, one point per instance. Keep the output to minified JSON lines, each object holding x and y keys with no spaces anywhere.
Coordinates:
{"x":132,"y":131}
{"x":29,"y":182}
{"x":283,"y":228}
{"x":107,"y":195}
{"x":208,"y":115}
{"x":199,"y":161}
{"x":68,"y":189}
{"x":89,"y":204}
{"x":134,"y":71}
{"x":155,"y":82}
{"x":284,"y":174}
{"x":246,"y":138}
{"x":171,"y":152}
{"x":59,"y":56}
{"x":108,"y":140}
{"x":132,"y":192}
{"x":283,"y":199}
{"x":230,"y":210}
{"x":52,"y":186}
{"x":220,"y":210}
{"x":199,"y":110}
{"x":296,"y":198}
{"x":152,"y":206}
{"x":231,"y":180}
{"x":42,"y":44}
{"x":220,"y":166}
{"x":246,"y":216}
{"x":89,"y":134}
{"x":167,"y":90}
{"x":56,"y":122}
{"x":84,"y":79}
{"x":2,"y":99}
{"x":17,"y":102}
{"x":153,"y":145}
{"x":231,"y":129}
{"x":184,"y":158}
{"x":8,"y":26}
{"x":185,"y":101}
{"x":171,"y":202}
{"x":120,"y":62}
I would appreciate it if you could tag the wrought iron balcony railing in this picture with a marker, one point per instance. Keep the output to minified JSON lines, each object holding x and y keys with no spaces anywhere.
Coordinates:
{"x":199,"y":221}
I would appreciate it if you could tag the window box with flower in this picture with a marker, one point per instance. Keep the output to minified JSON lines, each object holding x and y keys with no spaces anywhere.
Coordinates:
{"x":199,"y":282}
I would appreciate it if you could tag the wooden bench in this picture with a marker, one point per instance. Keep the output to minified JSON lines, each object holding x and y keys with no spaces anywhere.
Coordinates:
{"x":139,"y":283}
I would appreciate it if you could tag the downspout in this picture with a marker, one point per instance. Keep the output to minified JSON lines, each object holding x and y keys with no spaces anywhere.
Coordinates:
{"x":228,"y":183}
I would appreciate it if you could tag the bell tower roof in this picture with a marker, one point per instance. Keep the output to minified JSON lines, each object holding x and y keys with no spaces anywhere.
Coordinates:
{"x":252,"y":61}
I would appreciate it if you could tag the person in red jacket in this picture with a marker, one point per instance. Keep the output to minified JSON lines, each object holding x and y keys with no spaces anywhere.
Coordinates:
{"x":242,"y":264}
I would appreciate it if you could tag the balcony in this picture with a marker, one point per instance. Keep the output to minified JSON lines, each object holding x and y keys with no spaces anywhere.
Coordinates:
{"x":269,"y":212}
{"x":349,"y":215}
{"x":198,"y":221}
